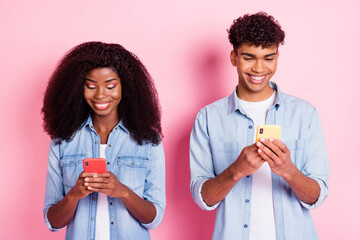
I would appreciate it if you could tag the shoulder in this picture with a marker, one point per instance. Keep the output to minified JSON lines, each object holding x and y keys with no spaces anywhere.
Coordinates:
{"x":290,"y":102}
{"x":219,"y":107}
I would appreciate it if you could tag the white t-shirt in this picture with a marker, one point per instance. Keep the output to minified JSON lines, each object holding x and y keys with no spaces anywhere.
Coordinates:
{"x":102,"y":224}
{"x":262,"y":219}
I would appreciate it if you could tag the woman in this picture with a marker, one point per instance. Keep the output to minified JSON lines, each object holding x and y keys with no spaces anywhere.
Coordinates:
{"x":101,"y":102}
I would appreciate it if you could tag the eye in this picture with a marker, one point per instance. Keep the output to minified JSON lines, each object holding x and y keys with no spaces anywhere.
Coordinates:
{"x":111,"y":86}
{"x":269,"y":59}
{"x":248,"y":59}
{"x":90,"y":86}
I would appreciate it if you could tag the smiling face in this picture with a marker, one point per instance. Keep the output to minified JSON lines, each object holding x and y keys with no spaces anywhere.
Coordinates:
{"x":102,"y":91}
{"x":255,"y":67}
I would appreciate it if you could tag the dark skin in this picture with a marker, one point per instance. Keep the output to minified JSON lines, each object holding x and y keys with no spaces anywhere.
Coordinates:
{"x":102,"y":91}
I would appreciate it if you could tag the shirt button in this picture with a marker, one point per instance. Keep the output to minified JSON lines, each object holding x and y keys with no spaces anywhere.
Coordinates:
{"x":248,"y":176}
{"x":108,"y":163}
{"x":112,"y":223}
{"x":250,"y":127}
{"x":110,"y":203}
{"x":245,"y":226}
{"x":109,"y":145}
{"x":93,"y":199}
{"x":92,"y":219}
{"x":71,"y":162}
{"x":133,"y":163}
{"x":247,"y":201}
{"x":96,"y":142}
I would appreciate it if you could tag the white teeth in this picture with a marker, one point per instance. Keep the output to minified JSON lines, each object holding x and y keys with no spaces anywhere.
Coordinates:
{"x":257,"y":78}
{"x":101,"y":105}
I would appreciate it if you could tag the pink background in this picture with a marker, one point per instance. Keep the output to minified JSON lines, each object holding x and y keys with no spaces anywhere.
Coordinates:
{"x":184,"y":45}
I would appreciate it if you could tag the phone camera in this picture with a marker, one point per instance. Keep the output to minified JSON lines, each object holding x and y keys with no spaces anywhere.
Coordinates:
{"x":261,"y":130}
{"x":86,"y":163}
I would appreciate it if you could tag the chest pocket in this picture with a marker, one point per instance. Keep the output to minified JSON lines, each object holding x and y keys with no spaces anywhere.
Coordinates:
{"x":224,"y":153}
{"x":132,"y":172}
{"x":296,"y":148}
{"x":71,"y":166}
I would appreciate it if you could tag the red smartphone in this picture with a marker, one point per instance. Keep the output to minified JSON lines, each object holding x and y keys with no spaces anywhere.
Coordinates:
{"x":95,"y":165}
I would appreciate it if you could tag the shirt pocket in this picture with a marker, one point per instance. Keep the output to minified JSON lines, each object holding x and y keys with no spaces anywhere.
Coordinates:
{"x":296,"y":148}
{"x":71,"y":166}
{"x":132,"y":172}
{"x":223,"y":154}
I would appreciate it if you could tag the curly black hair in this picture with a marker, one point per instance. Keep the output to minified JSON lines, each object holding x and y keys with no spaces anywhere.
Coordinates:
{"x":65,"y":108}
{"x":258,"y":29}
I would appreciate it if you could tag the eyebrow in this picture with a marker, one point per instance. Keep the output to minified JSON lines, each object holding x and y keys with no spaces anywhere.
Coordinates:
{"x":109,"y":80}
{"x":254,"y":56}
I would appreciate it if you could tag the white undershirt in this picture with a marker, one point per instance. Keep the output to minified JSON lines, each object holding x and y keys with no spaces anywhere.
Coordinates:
{"x":262,"y":219}
{"x":102,"y":231}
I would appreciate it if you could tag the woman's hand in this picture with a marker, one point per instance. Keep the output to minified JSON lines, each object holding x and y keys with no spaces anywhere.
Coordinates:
{"x":80,"y":191}
{"x":106,"y":183}
{"x":61,"y":213}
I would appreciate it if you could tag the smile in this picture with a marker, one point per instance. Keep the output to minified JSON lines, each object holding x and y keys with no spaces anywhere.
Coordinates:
{"x":101,"y":106}
{"x":257,"y":79}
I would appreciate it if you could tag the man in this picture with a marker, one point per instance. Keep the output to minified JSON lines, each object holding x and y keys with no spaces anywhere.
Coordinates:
{"x":261,"y":190}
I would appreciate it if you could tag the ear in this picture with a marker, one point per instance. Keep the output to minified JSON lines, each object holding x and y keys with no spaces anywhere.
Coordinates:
{"x":233,"y":58}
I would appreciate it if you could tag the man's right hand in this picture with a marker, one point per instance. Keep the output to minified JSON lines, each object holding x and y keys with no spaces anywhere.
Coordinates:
{"x":248,"y":162}
{"x":215,"y":189}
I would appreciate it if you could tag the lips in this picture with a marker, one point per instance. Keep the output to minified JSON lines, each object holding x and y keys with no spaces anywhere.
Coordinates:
{"x":257,"y":79}
{"x":102,"y":106}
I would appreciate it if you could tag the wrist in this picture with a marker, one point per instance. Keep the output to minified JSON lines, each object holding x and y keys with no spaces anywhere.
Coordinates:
{"x":71,"y":196}
{"x":236,"y":175}
{"x":291,"y":175}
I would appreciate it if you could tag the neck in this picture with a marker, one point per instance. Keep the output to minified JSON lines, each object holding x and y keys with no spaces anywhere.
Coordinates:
{"x":254,"y":96}
{"x":105,"y":123}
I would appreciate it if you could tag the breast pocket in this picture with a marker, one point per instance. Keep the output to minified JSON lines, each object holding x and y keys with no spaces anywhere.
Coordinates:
{"x":132,"y":172}
{"x":71,"y":166}
{"x":296,"y":148}
{"x":223,"y":154}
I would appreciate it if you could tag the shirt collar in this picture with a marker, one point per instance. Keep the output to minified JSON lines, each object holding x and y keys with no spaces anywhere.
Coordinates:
{"x":89,"y":123}
{"x":235,"y":105}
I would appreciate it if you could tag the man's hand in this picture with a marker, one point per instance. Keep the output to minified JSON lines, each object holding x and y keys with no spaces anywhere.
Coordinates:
{"x":276,"y":153}
{"x":248,"y":162}
{"x":278,"y":156}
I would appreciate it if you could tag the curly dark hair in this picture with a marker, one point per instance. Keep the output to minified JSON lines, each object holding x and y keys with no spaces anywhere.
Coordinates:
{"x":65,"y":108}
{"x":258,"y":29}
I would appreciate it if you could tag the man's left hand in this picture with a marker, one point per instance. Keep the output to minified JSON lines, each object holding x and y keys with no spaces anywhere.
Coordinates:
{"x":278,"y":156}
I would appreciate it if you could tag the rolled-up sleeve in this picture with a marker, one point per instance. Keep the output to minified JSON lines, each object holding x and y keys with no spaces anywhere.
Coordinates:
{"x":316,"y":160}
{"x":154,"y":190}
{"x":54,"y":190}
{"x":201,"y":164}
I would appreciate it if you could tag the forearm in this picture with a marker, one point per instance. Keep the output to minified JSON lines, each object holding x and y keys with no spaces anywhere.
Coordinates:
{"x":305,"y":188}
{"x":141,"y":209}
{"x":60,"y":214}
{"x":216,"y":189}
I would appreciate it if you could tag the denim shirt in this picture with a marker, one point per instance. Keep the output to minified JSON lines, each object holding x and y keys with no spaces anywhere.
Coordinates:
{"x":220,"y":132}
{"x":141,"y":168}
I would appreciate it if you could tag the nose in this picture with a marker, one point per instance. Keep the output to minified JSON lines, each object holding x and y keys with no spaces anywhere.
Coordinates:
{"x":258,"y":66}
{"x":100,"y":93}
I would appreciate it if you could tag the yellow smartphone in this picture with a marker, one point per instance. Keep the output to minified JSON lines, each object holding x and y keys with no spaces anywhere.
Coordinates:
{"x":268,"y":131}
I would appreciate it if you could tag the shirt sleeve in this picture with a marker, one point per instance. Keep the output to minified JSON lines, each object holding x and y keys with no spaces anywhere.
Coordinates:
{"x":154,"y":190}
{"x":316,"y":160}
{"x":201,"y":164}
{"x":54,"y":190}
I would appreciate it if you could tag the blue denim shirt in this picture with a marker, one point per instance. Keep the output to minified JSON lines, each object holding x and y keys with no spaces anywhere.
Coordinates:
{"x":141,"y":168}
{"x":220,"y":132}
